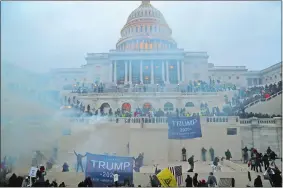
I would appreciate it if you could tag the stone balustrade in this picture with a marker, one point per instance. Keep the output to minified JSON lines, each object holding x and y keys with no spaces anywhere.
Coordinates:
{"x":276,"y":121}
{"x":145,"y":94}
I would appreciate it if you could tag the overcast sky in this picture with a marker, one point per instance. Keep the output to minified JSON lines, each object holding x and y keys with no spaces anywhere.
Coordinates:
{"x":45,"y":35}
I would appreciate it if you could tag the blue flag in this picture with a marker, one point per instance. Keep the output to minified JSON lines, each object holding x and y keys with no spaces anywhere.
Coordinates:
{"x":101,"y":168}
{"x":184,"y":127}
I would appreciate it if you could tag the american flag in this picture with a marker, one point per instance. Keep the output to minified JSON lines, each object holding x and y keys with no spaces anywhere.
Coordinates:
{"x":177,"y":172}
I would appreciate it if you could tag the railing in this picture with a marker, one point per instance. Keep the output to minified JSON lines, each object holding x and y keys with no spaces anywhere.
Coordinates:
{"x":267,"y":121}
{"x":147,"y":94}
{"x":245,"y":121}
{"x":258,"y":121}
{"x":263,"y":99}
{"x":147,"y":120}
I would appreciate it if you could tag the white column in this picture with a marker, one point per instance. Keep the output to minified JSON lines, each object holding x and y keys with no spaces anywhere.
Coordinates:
{"x":183,"y":71}
{"x":178,"y":71}
{"x":111,"y":72}
{"x":152,"y":74}
{"x":141,"y":72}
{"x":126,"y":72}
{"x":115,"y":70}
{"x":167,"y":73}
{"x":130,"y":72}
{"x":163,"y":71}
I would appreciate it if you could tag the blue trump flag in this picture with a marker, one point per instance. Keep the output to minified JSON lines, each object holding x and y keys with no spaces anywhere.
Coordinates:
{"x":184,"y":127}
{"x":101,"y":168}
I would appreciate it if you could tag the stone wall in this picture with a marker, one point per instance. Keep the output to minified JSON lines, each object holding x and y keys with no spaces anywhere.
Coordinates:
{"x":261,"y":133}
{"x":152,"y":139}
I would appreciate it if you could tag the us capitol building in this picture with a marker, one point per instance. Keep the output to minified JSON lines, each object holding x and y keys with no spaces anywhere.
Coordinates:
{"x":146,"y":53}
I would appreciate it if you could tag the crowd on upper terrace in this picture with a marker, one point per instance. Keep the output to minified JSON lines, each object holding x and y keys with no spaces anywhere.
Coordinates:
{"x":193,"y":86}
{"x":247,"y":96}
{"x":235,"y":107}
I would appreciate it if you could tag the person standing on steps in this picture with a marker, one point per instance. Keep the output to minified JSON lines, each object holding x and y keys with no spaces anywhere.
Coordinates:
{"x":191,"y":163}
{"x":203,"y":154}
{"x":265,"y":161}
{"x":245,"y":154}
{"x":189,"y":181}
{"x":211,"y":151}
{"x":228,"y":155}
{"x":211,"y":181}
{"x":184,"y":154}
{"x":195,"y":180}
{"x":79,"y":161}
{"x":257,"y":163}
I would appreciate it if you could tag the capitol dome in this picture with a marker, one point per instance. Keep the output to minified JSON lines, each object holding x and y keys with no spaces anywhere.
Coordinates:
{"x":146,"y":29}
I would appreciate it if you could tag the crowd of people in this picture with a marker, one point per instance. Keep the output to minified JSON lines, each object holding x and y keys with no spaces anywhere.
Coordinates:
{"x":257,"y":160}
{"x":247,"y":96}
{"x":192,"y":86}
{"x":37,"y":181}
{"x":235,"y":107}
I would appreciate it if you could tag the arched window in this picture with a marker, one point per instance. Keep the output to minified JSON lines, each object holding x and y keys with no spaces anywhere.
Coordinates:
{"x":189,"y":104}
{"x":145,"y":45}
{"x":147,"y":107}
{"x":141,"y":45}
{"x":155,"y":28}
{"x":105,"y":105}
{"x":168,"y":106}
{"x":126,"y":107}
{"x":141,"y":29}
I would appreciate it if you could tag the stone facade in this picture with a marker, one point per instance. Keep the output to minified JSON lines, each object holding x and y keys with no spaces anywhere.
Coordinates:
{"x":261,"y":133}
{"x":152,"y":138}
{"x":156,"y":100}
{"x":147,"y":53}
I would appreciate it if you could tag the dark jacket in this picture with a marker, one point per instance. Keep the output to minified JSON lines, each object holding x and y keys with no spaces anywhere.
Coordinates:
{"x":189,"y":181}
{"x":195,"y":181}
{"x":258,"y":182}
{"x":191,"y":160}
{"x":272,"y":156}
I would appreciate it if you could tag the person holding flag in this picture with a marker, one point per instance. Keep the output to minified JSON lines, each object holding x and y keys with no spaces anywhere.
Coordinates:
{"x":166,"y":178}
